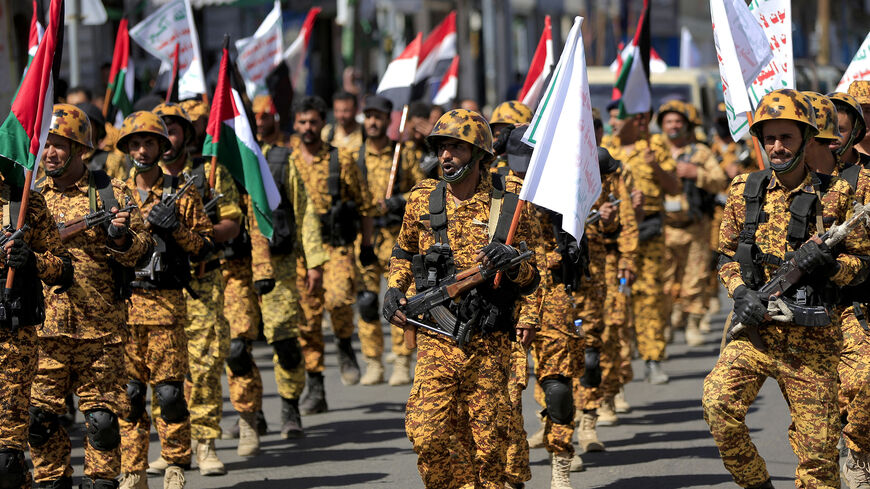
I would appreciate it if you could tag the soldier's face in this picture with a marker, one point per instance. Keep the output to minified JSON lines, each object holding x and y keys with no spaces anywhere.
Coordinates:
{"x":265,"y":124}
{"x":376,"y":123}
{"x":57,"y":152}
{"x":308,"y":124}
{"x":497,"y":128}
{"x":782,"y":140}
{"x":176,"y":137}
{"x":344,"y":111}
{"x":844,"y":124}
{"x":144,"y":148}
{"x":673,"y":125}
{"x":453,"y":155}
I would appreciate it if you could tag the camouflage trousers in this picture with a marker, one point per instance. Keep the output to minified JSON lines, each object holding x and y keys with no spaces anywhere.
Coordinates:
{"x":282,"y":318}
{"x":646,"y":301}
{"x":517,"y":468}
{"x":618,"y":332}
{"x":803,"y":361}
{"x":18,"y":363}
{"x":590,"y":308}
{"x":208,"y":343}
{"x":371,"y":333}
{"x":337,"y":297}
{"x":457,"y":392}
{"x":92,"y":370}
{"x":243,"y":313}
{"x":687,"y":268}
{"x":854,"y":372}
{"x":155,"y":354}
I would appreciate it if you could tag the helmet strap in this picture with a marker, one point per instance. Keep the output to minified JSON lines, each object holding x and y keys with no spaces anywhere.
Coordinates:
{"x":74,"y":149}
{"x":466,"y":169}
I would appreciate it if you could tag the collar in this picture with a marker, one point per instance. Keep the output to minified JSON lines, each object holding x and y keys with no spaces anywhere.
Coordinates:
{"x":386,"y":150}
{"x":83,"y":183}
{"x":806,"y":184}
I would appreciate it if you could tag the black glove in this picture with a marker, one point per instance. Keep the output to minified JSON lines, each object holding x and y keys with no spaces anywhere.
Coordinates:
{"x":163,"y":216}
{"x":395,"y":205}
{"x":812,"y":256}
{"x":263,"y":287}
{"x":499,"y":146}
{"x":20,"y":255}
{"x":748,"y":308}
{"x":499,"y":254}
{"x":391,"y":302}
{"x":367,"y":255}
{"x":592,"y":370}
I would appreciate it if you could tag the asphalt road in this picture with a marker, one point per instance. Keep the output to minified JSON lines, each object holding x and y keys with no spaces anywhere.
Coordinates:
{"x":360,"y":443}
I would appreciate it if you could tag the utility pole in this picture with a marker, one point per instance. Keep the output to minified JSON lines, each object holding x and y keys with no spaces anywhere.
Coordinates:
{"x":823,"y":30}
{"x":75,"y":21}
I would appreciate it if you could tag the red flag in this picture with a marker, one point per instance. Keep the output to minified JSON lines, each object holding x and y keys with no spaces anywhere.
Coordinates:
{"x":172,"y":92}
{"x":542,"y":65}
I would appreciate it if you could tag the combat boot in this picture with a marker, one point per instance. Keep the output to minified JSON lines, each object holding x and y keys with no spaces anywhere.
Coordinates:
{"x":620,"y":405}
{"x":232,"y":432}
{"x":249,"y":439}
{"x":606,"y":414}
{"x":587,"y":437}
{"x":207,"y":459}
{"x":314,"y":400}
{"x":347,"y":364}
{"x":560,"y":477}
{"x":158,"y":466}
{"x":88,"y":483}
{"x":694,"y":337}
{"x":764,"y":485}
{"x":577,"y":463}
{"x":401,"y":370}
{"x":62,"y":483}
{"x":655,"y":374}
{"x":856,"y":471}
{"x":134,"y":480}
{"x":374,"y":372}
{"x":173,"y":478}
{"x":291,"y":422}
{"x":537,"y":438}
{"x":705,"y":325}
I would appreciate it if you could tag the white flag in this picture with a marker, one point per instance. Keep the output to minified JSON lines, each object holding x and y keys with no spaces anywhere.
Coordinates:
{"x":690,"y":57}
{"x":774,"y":17}
{"x":563,"y":174}
{"x":158,"y":34}
{"x":261,"y":53}
{"x":859,"y":68}
{"x":743,"y":51}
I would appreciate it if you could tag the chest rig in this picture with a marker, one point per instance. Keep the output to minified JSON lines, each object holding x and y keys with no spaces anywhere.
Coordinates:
{"x":808,"y":300}
{"x":483,"y":309}
{"x":340,"y":225}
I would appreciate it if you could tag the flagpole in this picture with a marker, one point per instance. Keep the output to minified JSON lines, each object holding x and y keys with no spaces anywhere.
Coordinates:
{"x":396,"y":153}
{"x":758,"y":155}
{"x":22,"y":215}
{"x":515,"y":222}
{"x":212,"y":177}
{"x":107,"y":100}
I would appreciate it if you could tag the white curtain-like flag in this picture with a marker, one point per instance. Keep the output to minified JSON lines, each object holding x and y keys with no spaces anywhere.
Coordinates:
{"x":563,"y":174}
{"x":859,"y":68}
{"x":690,"y":57}
{"x":261,"y":53}
{"x":774,"y":17}
{"x":743,"y":51}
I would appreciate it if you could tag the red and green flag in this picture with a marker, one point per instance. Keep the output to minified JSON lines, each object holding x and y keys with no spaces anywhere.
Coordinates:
{"x":121,"y":76}
{"x":23,"y":134}
{"x":632,"y":84}
{"x":229,"y":136}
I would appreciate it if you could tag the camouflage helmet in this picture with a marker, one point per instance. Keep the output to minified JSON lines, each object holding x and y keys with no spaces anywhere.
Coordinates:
{"x":826,"y":115}
{"x":72,"y":123}
{"x":263,"y":104}
{"x":196,"y":109}
{"x":848,"y":103}
{"x":169,"y":109}
{"x":464,"y":125}
{"x":144,"y":122}
{"x":860,"y":89}
{"x":511,"y":112}
{"x":678,"y":107}
{"x":784,"y":104}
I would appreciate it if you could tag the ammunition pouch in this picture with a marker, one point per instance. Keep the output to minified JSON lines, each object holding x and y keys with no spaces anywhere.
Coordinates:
{"x":283,"y":241}
{"x":24,"y":304}
{"x":748,"y":256}
{"x":122,"y":278}
{"x":340,"y":225}
{"x":168,"y":267}
{"x":809,"y":316}
{"x":240,"y":246}
{"x":651,"y":227}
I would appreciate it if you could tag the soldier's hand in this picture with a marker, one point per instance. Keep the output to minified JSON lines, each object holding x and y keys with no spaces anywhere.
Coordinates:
{"x":394,"y":300}
{"x":395,"y":204}
{"x":496,"y":255}
{"x":163,"y":216}
{"x":687,"y":170}
{"x":263,"y":287}
{"x":592,"y":368}
{"x":19,"y":254}
{"x":636,"y":199}
{"x":608,"y":212}
{"x":367,"y":255}
{"x":314,"y":279}
{"x":525,"y":336}
{"x":748,"y":308}
{"x":120,"y":224}
{"x":812,"y":256}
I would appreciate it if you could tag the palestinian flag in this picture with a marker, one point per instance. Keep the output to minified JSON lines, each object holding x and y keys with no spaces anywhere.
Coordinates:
{"x":37,"y":29}
{"x":633,"y":79}
{"x":539,"y":71}
{"x":297,"y":52}
{"x":23,"y":134}
{"x":396,"y":84}
{"x":449,"y":86}
{"x":121,"y":76}
{"x":230,"y":138}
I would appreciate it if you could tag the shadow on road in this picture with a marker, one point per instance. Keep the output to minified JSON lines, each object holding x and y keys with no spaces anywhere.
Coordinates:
{"x":312,"y":482}
{"x":670,"y":481}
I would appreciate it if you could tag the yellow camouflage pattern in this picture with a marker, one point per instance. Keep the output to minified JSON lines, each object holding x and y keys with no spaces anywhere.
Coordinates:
{"x":517,"y":468}
{"x":463,"y":125}
{"x":18,"y":363}
{"x":784,"y":104}
{"x":146,"y":123}
{"x":341,"y":139}
{"x":638,"y":174}
{"x":860,"y":89}
{"x":242,"y":311}
{"x":72,"y":123}
{"x":854,"y":374}
{"x":826,"y":115}
{"x":228,"y":202}
{"x":314,"y":176}
{"x":511,"y":112}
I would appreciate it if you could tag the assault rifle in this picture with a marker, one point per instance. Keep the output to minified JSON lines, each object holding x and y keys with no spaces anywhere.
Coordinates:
{"x":788,"y":275}
{"x":211,"y":204}
{"x":18,"y":233}
{"x":69,"y":230}
{"x":191,"y":180}
{"x":595,"y":216}
{"x":433,"y":300}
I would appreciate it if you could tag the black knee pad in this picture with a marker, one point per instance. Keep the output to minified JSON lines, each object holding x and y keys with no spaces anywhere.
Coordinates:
{"x":560,"y":402}
{"x":103,"y":430}
{"x":170,"y":397}
{"x":88,"y":483}
{"x":43,"y":425}
{"x":62,"y":483}
{"x":136,"y":391}
{"x":240,"y":360}
{"x":367,"y":303}
{"x":289,"y":353}
{"x":13,"y":469}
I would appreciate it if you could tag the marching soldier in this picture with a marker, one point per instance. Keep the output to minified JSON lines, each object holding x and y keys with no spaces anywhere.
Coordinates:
{"x":267,"y":119}
{"x":852,"y":127}
{"x":415,"y":149}
{"x":445,"y":230}
{"x":81,"y":345}
{"x":346,"y":133}
{"x":771,"y":216}
{"x":157,"y":352}
{"x":860,"y":90}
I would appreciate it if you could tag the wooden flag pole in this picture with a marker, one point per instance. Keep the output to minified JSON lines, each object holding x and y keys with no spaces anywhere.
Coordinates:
{"x":212,"y":178}
{"x":22,"y":215}
{"x":395,"y":168}
{"x":515,"y":222}
{"x":758,"y":155}
{"x":106,"y":101}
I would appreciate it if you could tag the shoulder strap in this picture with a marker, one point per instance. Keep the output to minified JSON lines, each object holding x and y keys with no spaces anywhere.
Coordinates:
{"x":102,"y":182}
{"x":202,"y":181}
{"x":169,"y":183}
{"x":438,"y":213}
{"x":12,"y":208}
{"x":330,"y":136}
{"x":850,"y":175}
{"x":361,"y":163}
{"x":753,"y":195}
{"x":503,"y":213}
{"x":802,"y":207}
{"x":278,"y":159}
{"x":333,"y":180}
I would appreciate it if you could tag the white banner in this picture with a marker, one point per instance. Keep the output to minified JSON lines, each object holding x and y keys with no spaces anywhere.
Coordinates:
{"x":774,"y":17}
{"x":743,"y":51}
{"x":563,"y":175}
{"x":261,"y":53}
{"x":158,"y":34}
{"x":859,"y":68}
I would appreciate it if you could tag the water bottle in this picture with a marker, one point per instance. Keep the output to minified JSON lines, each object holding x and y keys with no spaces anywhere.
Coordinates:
{"x":578,"y":327}
{"x":624,"y":288}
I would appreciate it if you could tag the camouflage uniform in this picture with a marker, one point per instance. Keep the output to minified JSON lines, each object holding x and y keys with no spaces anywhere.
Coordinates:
{"x":647,"y":307}
{"x":81,"y":341}
{"x":339,"y":273}
{"x":351,"y":141}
